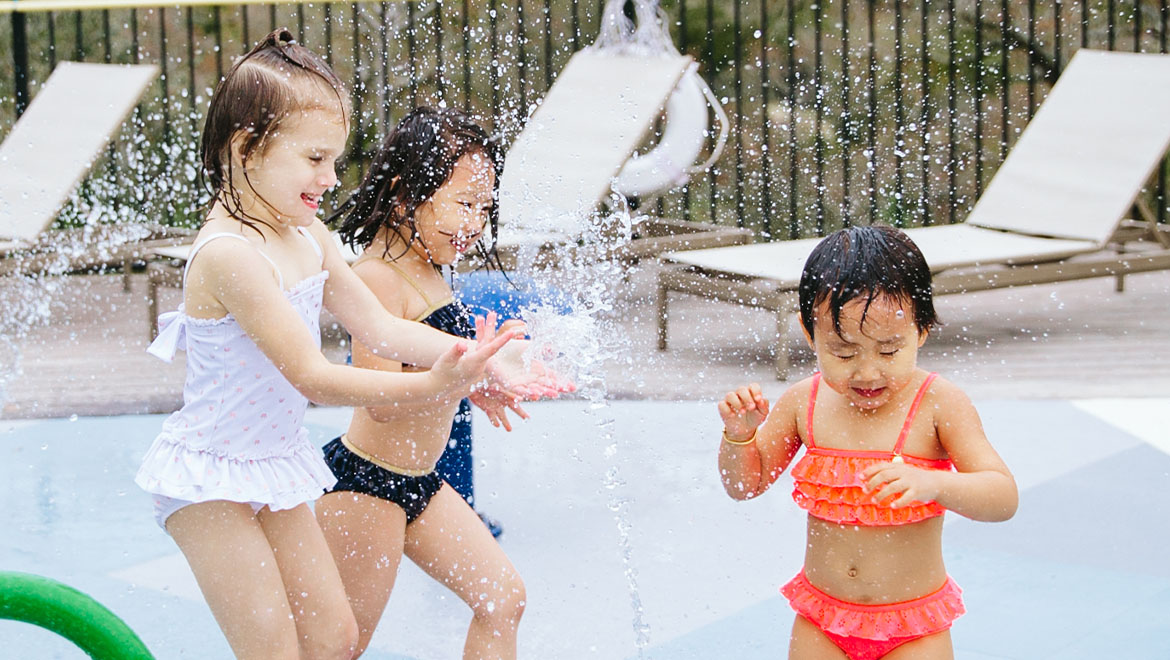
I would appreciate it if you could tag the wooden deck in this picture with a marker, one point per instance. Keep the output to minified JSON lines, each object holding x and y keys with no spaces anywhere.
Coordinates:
{"x":1061,"y":341}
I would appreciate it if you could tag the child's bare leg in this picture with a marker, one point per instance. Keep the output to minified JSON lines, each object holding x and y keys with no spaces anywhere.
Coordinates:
{"x":932,"y":647}
{"x":324,"y":620}
{"x":453,"y":546}
{"x":365,"y":535}
{"x":809,"y":643}
{"x":237,"y":572}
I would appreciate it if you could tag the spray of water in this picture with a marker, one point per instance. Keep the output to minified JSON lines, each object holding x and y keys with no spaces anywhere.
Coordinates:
{"x":27,"y":303}
{"x":133,"y":185}
{"x":581,"y":342}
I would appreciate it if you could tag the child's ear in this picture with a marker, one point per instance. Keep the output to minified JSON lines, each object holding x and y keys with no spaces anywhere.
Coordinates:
{"x":807,"y":337}
{"x":922,"y":335}
{"x":236,"y":147}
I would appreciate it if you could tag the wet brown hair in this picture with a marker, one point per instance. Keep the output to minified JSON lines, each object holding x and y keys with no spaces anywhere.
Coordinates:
{"x":864,"y":263}
{"x":415,"y":160}
{"x":274,"y":79}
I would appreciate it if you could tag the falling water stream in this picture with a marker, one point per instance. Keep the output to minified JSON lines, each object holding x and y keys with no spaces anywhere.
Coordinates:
{"x":578,"y":344}
{"x":27,"y":304}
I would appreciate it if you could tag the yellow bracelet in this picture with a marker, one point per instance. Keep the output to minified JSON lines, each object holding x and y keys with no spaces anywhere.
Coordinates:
{"x":740,"y":442}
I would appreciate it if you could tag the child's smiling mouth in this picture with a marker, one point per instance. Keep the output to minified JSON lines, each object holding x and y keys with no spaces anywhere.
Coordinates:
{"x":869,"y":393}
{"x":312,"y":201}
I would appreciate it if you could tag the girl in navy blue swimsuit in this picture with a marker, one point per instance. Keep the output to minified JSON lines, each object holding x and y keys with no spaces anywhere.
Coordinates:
{"x":428,"y":198}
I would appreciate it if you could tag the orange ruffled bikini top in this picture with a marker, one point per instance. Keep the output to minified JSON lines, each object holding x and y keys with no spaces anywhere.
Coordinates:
{"x":828,"y":481}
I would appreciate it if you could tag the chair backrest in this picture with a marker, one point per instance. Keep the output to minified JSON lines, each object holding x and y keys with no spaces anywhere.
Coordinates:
{"x":55,"y":142}
{"x":1077,"y":168}
{"x":597,"y":113}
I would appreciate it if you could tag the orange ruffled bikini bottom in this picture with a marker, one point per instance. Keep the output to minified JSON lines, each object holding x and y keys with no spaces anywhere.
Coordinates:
{"x":868,"y":632}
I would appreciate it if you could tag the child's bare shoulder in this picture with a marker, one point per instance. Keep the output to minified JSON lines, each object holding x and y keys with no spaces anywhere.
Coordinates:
{"x":799,"y":391}
{"x":226,"y":257}
{"x":945,"y":389}
{"x":388,"y":284}
{"x":945,"y":400}
{"x":320,"y":232}
{"x":793,"y":400}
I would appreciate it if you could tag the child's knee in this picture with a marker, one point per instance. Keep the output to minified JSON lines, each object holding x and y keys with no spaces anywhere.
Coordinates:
{"x":502,"y":601}
{"x":340,"y":642}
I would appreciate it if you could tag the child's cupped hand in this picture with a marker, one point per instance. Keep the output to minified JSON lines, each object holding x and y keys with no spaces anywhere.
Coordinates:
{"x":510,"y":372}
{"x":463,"y":368}
{"x":743,"y":410}
{"x":903,"y":483}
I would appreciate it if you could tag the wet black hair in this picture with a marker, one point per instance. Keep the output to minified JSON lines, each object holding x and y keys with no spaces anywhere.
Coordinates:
{"x":274,"y":79}
{"x":415,"y":160}
{"x":866,"y":262}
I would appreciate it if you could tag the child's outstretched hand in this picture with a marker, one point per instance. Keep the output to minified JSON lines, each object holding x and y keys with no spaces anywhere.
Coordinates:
{"x":462,"y":366}
{"x":496,"y":403}
{"x":510,"y":373}
{"x":904,"y":483}
{"x":743,"y":411}
{"x":490,"y":398}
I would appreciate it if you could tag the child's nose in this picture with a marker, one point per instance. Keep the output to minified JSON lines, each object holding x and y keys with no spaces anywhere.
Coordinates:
{"x":868,"y":370}
{"x":327,"y":178}
{"x":475,"y":226}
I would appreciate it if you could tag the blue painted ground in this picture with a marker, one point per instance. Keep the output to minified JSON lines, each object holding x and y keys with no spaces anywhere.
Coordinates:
{"x":1079,"y":573}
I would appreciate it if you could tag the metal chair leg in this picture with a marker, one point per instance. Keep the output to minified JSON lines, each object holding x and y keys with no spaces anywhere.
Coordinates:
{"x":662,"y":316}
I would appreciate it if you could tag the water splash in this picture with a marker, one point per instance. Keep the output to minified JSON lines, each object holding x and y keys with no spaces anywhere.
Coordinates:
{"x":28,"y":303}
{"x":580,"y":343}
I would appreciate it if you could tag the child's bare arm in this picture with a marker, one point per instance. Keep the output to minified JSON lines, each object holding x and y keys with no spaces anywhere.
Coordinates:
{"x":398,"y":339}
{"x":757,"y":444}
{"x":243,"y":284}
{"x":982,"y":488}
{"x":364,"y":316}
{"x":388,"y":287}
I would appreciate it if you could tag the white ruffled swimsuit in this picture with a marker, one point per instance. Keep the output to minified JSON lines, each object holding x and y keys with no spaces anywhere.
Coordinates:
{"x":239,"y":435}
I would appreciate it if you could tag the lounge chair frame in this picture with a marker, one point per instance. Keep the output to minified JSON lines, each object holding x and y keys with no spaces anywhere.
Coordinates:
{"x":48,"y":151}
{"x":1031,"y":226}
{"x":563,"y":163}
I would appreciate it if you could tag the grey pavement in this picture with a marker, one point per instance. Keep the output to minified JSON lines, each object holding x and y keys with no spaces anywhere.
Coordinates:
{"x":615,"y":519}
{"x":85,"y":354}
{"x":612,"y":510}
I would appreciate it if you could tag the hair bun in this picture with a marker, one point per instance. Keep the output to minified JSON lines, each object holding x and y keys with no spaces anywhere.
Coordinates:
{"x":279,"y":37}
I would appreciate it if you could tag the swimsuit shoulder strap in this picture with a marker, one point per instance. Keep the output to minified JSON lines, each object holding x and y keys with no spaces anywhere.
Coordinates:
{"x":207,"y":239}
{"x":313,"y":241}
{"x":913,"y":411}
{"x":812,"y":402}
{"x":363,"y":258}
{"x":414,"y":285}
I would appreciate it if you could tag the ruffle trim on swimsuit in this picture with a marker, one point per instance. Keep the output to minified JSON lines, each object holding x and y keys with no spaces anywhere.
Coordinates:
{"x":828,"y":486}
{"x":281,"y":482}
{"x":922,"y":616}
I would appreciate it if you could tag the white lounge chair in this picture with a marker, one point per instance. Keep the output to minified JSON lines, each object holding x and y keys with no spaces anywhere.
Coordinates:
{"x":1056,"y":210}
{"x":563,"y":163}
{"x":49,"y":150}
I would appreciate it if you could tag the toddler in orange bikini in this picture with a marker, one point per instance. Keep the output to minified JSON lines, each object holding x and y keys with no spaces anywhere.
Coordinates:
{"x":894,"y":447}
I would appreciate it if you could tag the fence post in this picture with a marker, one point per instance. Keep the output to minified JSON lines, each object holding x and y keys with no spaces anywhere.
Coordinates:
{"x":19,"y":61}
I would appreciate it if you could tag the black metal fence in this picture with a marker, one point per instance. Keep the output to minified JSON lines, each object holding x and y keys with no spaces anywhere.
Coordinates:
{"x":843,"y":111}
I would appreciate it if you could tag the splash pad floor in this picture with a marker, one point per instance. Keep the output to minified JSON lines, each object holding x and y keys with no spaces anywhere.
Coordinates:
{"x":1079,"y":573}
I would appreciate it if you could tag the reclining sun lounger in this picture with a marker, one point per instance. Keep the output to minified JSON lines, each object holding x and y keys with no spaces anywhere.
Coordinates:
{"x":48,"y":152}
{"x":1056,"y":210}
{"x":565,"y":160}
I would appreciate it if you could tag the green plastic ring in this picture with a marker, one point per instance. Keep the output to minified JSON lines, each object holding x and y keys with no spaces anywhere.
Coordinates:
{"x":71,"y":614}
